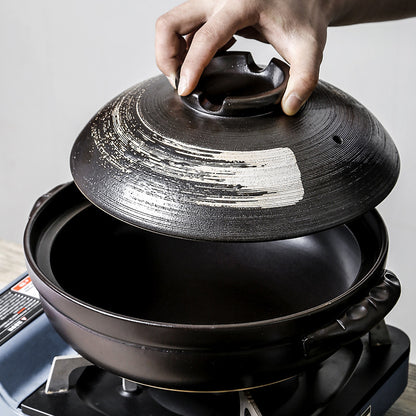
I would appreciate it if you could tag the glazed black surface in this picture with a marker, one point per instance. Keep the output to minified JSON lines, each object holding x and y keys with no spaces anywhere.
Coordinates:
{"x":63,"y":239}
{"x":164,"y":279}
{"x":233,"y":85}
{"x":151,"y":160}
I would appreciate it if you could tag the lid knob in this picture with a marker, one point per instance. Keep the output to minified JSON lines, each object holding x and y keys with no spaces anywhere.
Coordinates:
{"x":234,"y":85}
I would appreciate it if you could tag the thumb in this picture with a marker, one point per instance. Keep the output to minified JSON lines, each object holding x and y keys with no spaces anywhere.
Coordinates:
{"x":303,"y":77}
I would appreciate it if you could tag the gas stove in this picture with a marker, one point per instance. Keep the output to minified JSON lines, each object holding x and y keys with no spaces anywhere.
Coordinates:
{"x":42,"y":375}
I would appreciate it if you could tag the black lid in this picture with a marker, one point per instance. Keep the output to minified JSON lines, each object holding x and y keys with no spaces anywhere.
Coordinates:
{"x":221,"y":166}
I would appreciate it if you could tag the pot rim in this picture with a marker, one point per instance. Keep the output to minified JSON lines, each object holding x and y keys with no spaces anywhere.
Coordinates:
{"x":35,"y":271}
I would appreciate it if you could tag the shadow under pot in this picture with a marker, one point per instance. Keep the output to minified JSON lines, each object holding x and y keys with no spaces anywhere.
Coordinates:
{"x":203,"y":315}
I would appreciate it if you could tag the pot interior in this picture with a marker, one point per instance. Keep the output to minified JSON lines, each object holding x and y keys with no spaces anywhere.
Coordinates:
{"x":123,"y":269}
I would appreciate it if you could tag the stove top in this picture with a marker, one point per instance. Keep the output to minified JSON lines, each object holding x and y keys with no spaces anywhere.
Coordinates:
{"x":363,"y":378}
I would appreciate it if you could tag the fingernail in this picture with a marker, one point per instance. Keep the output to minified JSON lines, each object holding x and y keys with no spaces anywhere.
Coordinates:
{"x":292,"y":104}
{"x":172,"y":80}
{"x":183,"y":85}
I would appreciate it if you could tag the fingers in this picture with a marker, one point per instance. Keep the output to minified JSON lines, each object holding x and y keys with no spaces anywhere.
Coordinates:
{"x":190,"y":35}
{"x":299,"y":88}
{"x":170,"y":45}
{"x":304,"y":56}
{"x":228,"y":44}
{"x":217,"y":33}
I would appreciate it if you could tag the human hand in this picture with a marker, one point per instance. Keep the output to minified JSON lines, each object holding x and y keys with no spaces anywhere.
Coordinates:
{"x":192,"y":33}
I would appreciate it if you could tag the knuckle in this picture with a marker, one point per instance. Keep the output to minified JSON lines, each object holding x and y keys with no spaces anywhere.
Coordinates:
{"x":207,"y":34}
{"x":163,"y":22}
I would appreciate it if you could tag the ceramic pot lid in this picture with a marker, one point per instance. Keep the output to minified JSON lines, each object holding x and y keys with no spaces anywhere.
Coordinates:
{"x":226,"y":164}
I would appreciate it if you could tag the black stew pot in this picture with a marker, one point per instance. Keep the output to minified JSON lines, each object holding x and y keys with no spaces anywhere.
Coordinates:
{"x":212,"y":243}
{"x":203,"y":316}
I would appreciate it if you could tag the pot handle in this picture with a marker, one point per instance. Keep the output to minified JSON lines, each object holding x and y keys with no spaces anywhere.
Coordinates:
{"x":39,"y":202}
{"x":233,"y":85}
{"x":357,"y":319}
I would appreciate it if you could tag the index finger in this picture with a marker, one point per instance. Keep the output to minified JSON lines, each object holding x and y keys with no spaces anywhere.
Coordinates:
{"x":170,"y":46}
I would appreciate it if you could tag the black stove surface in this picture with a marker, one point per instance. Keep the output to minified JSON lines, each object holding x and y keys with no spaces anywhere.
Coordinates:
{"x":357,"y":380}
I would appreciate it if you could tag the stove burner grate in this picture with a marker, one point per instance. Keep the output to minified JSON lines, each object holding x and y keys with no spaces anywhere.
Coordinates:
{"x":347,"y":383}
